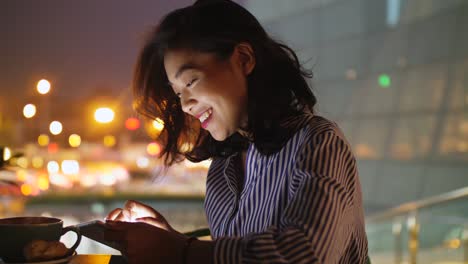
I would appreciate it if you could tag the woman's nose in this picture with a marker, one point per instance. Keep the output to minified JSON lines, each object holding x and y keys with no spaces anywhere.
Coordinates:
{"x":187,"y":104}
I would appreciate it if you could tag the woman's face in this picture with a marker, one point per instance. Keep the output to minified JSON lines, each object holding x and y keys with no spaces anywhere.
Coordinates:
{"x":212,"y":90}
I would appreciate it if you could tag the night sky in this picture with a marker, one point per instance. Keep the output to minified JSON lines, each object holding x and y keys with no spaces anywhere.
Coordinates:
{"x":79,"y":46}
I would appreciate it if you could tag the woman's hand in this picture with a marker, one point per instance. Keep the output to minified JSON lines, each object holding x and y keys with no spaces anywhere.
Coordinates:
{"x":144,"y":243}
{"x":134,"y":211}
{"x":145,"y":236}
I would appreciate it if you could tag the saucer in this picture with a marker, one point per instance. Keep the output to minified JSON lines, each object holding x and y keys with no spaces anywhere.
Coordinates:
{"x":53,"y":261}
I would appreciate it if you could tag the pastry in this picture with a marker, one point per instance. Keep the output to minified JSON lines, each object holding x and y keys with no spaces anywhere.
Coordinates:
{"x":44,"y":250}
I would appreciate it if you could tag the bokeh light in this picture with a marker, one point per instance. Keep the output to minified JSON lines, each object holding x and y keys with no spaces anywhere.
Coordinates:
{"x":74,"y":140}
{"x":186,"y":147}
{"x":6,"y":153}
{"x":26,"y":189}
{"x":55,"y":127}
{"x":351,"y":74}
{"x":142,"y":162}
{"x":43,"y":182}
{"x":104,"y":115}
{"x":462,"y":146}
{"x":109,"y":141}
{"x":70,"y":167}
{"x":385,"y":80}
{"x":52,"y":148}
{"x":43,"y":140}
{"x":463,"y":126}
{"x":22,"y":162}
{"x":153,"y":149}
{"x":132,"y":123}
{"x":43,"y":86}
{"x":107,"y":179}
{"x":88,"y":180}
{"x":158,"y":124}
{"x":29,"y":110}
{"x":53,"y":167}
{"x":21,"y":175}
{"x":61,"y":180}
{"x":37,"y":162}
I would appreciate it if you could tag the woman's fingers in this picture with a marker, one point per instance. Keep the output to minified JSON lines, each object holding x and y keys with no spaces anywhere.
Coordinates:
{"x":113,"y":214}
{"x":133,"y":210}
{"x":123,"y":216}
{"x":138,"y":210}
{"x":153,"y":221}
{"x":145,"y":207}
{"x":129,"y":209}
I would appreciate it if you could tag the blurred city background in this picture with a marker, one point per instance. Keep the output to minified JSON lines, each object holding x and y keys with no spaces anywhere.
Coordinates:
{"x":392,"y":73}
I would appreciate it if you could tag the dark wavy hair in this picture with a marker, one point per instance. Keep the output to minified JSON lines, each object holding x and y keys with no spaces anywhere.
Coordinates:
{"x":277,"y":86}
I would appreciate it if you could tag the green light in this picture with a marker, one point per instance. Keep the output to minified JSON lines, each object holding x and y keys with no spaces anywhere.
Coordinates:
{"x":384,"y":80}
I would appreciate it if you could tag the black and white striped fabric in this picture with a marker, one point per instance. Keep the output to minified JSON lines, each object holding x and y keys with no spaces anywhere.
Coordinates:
{"x":300,"y":205}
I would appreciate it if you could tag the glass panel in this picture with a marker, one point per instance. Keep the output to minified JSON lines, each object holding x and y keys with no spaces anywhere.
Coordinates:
{"x":462,"y":33}
{"x":459,"y":94}
{"x":335,"y":59}
{"x":380,"y":95}
{"x":388,"y":50}
{"x":454,"y":142}
{"x":341,"y":19}
{"x":267,"y":10}
{"x":388,"y":241}
{"x":430,"y":40}
{"x":443,"y":232}
{"x":347,"y":127}
{"x":423,"y":88}
{"x":370,"y":138}
{"x":334,"y":99}
{"x":359,"y":98}
{"x":418,"y":9}
{"x":398,"y":182}
{"x":299,"y":31}
{"x":413,"y":137}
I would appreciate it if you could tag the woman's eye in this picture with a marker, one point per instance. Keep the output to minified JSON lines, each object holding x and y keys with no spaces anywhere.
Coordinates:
{"x":191,"y":82}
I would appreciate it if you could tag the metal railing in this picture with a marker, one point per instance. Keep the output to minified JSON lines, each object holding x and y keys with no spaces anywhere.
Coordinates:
{"x":432,"y":230}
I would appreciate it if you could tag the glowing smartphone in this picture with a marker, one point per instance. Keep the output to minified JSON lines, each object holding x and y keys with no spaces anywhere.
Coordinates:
{"x":95,"y":230}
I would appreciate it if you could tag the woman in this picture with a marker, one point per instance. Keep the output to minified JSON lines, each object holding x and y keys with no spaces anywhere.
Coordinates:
{"x":283,"y":185}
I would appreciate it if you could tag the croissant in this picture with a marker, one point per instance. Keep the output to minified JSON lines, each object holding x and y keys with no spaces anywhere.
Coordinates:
{"x":44,"y":250}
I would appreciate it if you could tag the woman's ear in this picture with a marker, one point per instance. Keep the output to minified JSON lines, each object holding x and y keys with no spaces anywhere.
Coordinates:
{"x":246,"y":57}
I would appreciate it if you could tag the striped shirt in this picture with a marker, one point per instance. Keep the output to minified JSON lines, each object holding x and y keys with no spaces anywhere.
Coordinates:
{"x":302,"y":204}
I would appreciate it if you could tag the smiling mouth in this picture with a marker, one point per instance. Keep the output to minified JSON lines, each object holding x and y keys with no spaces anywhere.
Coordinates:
{"x":205,"y":117}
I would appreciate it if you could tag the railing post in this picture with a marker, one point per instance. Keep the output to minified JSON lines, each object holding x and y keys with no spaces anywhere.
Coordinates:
{"x":413,"y":242}
{"x":396,"y":230}
{"x":464,"y":240}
